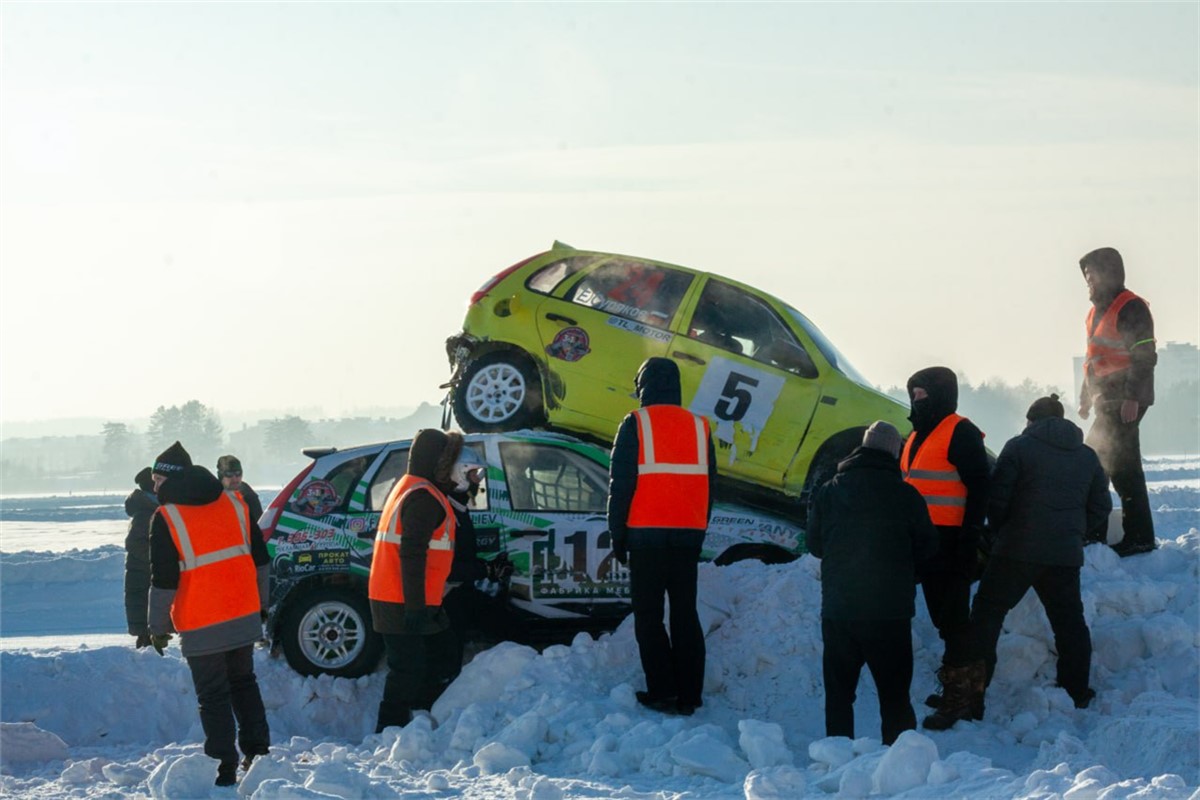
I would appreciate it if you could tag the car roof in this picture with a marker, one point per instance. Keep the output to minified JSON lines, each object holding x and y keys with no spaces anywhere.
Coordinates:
{"x":561,"y":249}
{"x":469,"y":438}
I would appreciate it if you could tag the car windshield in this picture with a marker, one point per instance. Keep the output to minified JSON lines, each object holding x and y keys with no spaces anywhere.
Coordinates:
{"x":831,"y":353}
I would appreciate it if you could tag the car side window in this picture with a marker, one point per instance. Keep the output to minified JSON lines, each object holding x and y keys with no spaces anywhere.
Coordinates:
{"x":390,"y":471}
{"x":635,"y":290}
{"x":549,"y":277}
{"x":331,"y":494}
{"x":543,"y":477}
{"x":738,"y":322}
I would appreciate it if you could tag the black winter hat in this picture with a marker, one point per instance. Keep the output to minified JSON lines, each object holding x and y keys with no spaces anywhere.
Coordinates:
{"x":172,"y":461}
{"x":1045,"y":407}
{"x":144,"y":480}
{"x":228,"y":464}
{"x":1105,"y":261}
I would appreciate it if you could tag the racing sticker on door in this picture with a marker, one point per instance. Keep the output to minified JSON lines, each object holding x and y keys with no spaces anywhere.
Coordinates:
{"x":736,"y":395}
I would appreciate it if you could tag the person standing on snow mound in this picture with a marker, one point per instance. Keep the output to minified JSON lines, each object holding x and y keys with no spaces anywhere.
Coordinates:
{"x":660,"y":500}
{"x":1118,"y":383}
{"x":139,"y":506}
{"x":944,"y":459}
{"x":414,"y":553}
{"x":872,"y":533}
{"x":1049,"y":496}
{"x":209,"y":572}
{"x":229,"y":470}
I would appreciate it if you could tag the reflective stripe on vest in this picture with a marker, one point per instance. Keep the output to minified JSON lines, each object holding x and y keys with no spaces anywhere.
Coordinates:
{"x":386,"y":582}
{"x":218,"y":579}
{"x":672,"y":486}
{"x":1106,"y":350}
{"x":932,"y":474}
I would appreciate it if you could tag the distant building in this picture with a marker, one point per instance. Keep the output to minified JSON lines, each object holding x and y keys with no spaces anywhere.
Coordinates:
{"x":1178,"y":362}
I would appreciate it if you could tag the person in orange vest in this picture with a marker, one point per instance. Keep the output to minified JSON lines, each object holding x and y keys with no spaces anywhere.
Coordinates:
{"x":414,"y":552}
{"x":209,"y":573}
{"x":945,"y":460}
{"x":1118,"y":384}
{"x":660,"y":498}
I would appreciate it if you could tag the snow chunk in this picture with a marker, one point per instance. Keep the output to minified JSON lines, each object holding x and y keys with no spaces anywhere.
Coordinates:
{"x":24,"y":741}
{"x":775,"y":783}
{"x":187,"y":776}
{"x":763,"y":744}
{"x":906,"y":764}
{"x":496,"y":758}
{"x":702,"y":751}
{"x":833,"y":751}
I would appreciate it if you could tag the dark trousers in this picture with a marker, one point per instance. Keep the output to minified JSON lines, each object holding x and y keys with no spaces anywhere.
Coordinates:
{"x":674,"y":664}
{"x":227,"y":690}
{"x":948,"y":597}
{"x":1003,"y":585}
{"x":420,"y":667}
{"x":885,"y":646}
{"x":1119,"y":446}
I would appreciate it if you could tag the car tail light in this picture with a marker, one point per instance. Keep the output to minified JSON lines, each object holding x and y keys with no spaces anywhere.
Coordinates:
{"x":483,"y":290}
{"x":271,"y":516}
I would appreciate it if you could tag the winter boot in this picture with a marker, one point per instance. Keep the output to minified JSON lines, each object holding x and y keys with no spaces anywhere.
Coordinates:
{"x":963,"y":694}
{"x":935,"y":700}
{"x":227,"y":773}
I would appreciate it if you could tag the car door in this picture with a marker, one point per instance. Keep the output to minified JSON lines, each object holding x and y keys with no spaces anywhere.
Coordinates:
{"x":599,"y":327}
{"x":743,"y":368}
{"x":555,"y":527}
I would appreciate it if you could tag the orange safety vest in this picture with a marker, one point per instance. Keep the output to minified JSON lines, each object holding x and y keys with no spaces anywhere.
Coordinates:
{"x":672,"y":484}
{"x":1106,"y":350}
{"x":218,"y":579}
{"x":387,"y":582}
{"x":932,"y":474}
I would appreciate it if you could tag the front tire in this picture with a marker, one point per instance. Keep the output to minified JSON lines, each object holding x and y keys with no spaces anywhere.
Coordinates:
{"x":498,"y":392}
{"x":328,"y":631}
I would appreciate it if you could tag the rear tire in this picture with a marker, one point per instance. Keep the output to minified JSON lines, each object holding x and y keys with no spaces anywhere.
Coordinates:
{"x":328,"y":631}
{"x":498,"y":392}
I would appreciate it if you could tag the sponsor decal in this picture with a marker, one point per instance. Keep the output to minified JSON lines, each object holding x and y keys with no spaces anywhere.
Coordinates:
{"x":321,"y":561}
{"x":571,"y":344}
{"x":316,"y":499}
{"x":641,"y":330}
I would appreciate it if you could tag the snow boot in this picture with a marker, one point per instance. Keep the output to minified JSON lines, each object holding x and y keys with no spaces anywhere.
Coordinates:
{"x":963,"y":693}
{"x":227,"y":773}
{"x":935,"y":700}
{"x":666,"y":705}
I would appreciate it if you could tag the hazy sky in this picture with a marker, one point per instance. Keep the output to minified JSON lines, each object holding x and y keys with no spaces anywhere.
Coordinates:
{"x":288,"y":205}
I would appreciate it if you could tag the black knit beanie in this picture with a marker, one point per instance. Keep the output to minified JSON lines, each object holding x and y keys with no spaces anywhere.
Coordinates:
{"x":172,"y":461}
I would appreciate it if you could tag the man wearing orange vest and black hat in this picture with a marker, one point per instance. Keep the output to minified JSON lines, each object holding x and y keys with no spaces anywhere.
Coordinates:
{"x":660,"y":498}
{"x":1118,"y":383}
{"x":414,"y":551}
{"x":209,"y":581}
{"x":945,"y":460}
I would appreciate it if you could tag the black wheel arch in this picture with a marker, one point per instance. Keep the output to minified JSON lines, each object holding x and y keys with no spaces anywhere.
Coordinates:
{"x":765,"y":552}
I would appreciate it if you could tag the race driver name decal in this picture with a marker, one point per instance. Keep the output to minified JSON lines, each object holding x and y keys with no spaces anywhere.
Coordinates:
{"x":571,"y":344}
{"x":640,"y":329}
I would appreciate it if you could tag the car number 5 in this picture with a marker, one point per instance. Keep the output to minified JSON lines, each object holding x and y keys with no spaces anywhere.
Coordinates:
{"x":735,"y":400}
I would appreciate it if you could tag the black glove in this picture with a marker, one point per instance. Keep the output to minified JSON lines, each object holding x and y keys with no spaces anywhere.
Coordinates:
{"x":143,"y":640}
{"x":159,"y":642}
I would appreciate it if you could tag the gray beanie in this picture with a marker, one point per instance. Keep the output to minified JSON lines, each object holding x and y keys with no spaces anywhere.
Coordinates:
{"x":883,"y":436}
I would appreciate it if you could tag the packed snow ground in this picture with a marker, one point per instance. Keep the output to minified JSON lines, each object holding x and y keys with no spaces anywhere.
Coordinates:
{"x":104,"y":720}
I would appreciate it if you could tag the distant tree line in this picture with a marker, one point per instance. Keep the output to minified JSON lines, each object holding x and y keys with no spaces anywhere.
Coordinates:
{"x":270,"y":450}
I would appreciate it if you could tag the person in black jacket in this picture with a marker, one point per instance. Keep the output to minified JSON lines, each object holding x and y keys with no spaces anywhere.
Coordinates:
{"x":946,"y":580}
{"x":872,"y":532}
{"x":423,"y":653}
{"x":1049,"y":496}
{"x":229,"y":470}
{"x":139,"y":506}
{"x":1118,"y":384}
{"x":219,"y":654}
{"x":658,"y":528}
